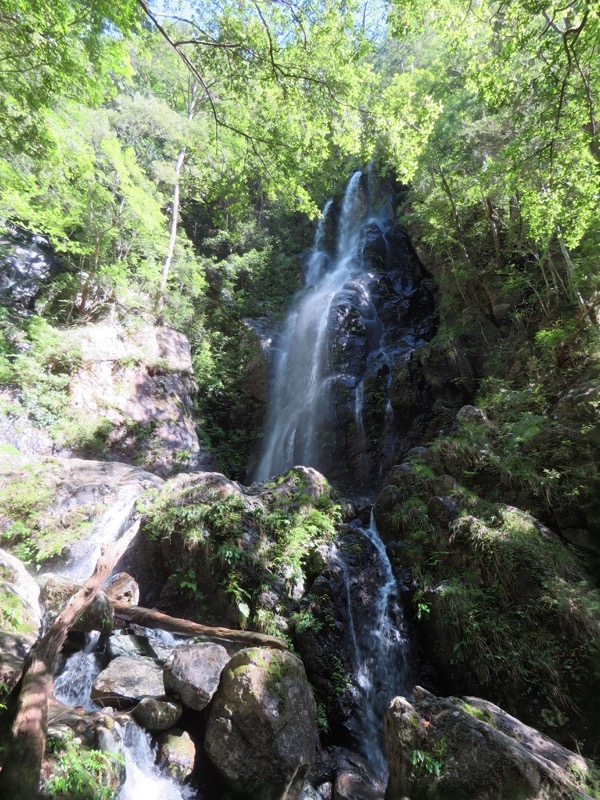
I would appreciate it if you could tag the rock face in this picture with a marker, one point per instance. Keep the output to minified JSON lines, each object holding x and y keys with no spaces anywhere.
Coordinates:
{"x":467,"y":748}
{"x":483,"y":567}
{"x":127,"y":680}
{"x":193,"y":671}
{"x":140,"y":381}
{"x":261,"y":730}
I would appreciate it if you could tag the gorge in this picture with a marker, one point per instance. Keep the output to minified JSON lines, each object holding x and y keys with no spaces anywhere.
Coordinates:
{"x":299,"y":400}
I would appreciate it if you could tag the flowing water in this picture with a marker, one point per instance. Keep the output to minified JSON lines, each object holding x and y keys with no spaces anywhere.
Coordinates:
{"x":300,"y":400}
{"x":302,"y":412}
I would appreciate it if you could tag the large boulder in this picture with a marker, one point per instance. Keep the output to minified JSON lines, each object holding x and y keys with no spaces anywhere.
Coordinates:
{"x":192,"y":672}
{"x":59,"y":512}
{"x":261,"y":732}
{"x":126,"y":681}
{"x":449,"y":748}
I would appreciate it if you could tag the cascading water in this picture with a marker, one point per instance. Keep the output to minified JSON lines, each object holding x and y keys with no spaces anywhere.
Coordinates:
{"x":339,"y":343}
{"x":144,"y":780}
{"x":300,"y":404}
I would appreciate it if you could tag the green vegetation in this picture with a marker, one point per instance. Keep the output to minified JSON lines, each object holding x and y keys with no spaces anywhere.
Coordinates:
{"x":247,"y":545}
{"x":81,"y":774}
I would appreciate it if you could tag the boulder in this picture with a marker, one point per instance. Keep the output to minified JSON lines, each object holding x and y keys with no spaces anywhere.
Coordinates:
{"x":192,"y":672}
{"x":126,"y":681}
{"x":157,"y":715}
{"x":176,"y":754}
{"x":449,"y":748}
{"x":442,"y":511}
{"x":55,"y":593}
{"x":261,"y":732}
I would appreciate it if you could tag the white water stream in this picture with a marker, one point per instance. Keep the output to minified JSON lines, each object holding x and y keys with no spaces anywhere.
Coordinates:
{"x":300,"y":399}
{"x":300,"y":413}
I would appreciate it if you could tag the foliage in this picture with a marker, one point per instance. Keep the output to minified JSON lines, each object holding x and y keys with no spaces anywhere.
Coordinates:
{"x":80,"y":773}
{"x":29,"y":525}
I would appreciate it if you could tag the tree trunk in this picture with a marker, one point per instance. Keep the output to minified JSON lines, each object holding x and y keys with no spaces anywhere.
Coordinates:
{"x":150,"y":618}
{"x":22,"y":758}
{"x":160,"y":301}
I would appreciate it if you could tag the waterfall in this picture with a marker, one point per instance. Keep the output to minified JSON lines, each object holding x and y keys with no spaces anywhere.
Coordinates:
{"x":144,"y":780}
{"x":300,"y":408}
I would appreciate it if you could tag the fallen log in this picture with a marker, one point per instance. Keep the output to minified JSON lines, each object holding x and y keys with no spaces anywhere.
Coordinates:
{"x":26,"y":742}
{"x":151,"y":618}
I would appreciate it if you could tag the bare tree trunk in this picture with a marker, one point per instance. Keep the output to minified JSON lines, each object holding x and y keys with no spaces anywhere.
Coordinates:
{"x":160,"y":301}
{"x":494,"y":228}
{"x":150,"y":618}
{"x":22,"y":758}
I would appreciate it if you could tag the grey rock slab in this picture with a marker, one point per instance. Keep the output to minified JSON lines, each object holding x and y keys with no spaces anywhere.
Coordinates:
{"x":127,"y":680}
{"x":192,"y":672}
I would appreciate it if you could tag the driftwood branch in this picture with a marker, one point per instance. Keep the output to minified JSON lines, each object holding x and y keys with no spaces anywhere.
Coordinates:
{"x":150,"y":618}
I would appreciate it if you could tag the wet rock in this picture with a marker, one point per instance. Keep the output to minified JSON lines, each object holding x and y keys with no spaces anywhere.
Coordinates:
{"x":354,"y":779}
{"x":261,"y":732}
{"x":176,"y":754}
{"x":473,"y":750}
{"x":157,"y":715}
{"x":192,"y":672}
{"x":55,"y":593}
{"x":388,"y":500}
{"x":122,"y":588}
{"x":14,"y":648}
{"x":26,"y":264}
{"x":126,"y":681}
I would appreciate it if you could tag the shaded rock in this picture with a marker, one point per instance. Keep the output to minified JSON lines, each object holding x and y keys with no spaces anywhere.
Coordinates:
{"x":122,"y":588}
{"x":14,"y":648}
{"x":157,"y":715}
{"x":127,"y":680}
{"x":176,"y":754}
{"x":442,"y":511}
{"x":473,"y":752}
{"x":55,"y":593}
{"x":261,"y":731}
{"x":388,"y":500}
{"x":192,"y":672}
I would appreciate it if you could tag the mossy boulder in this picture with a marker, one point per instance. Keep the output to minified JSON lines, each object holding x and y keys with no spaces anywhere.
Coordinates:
{"x":261,"y":732}
{"x":449,"y":748}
